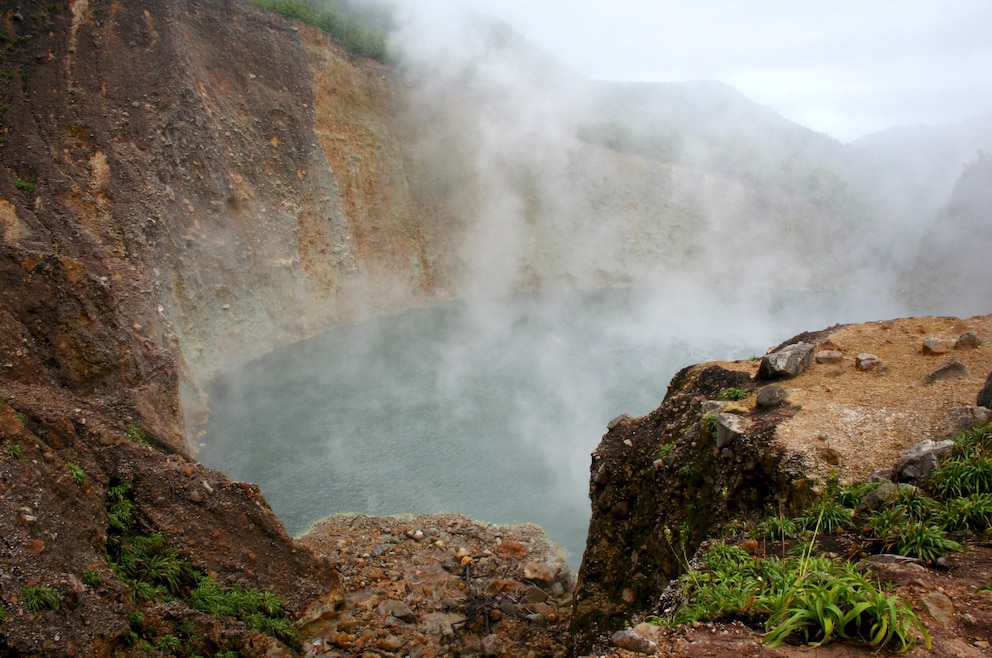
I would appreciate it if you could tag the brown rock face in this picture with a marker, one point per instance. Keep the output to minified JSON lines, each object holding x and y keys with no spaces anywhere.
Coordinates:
{"x":179,"y":180}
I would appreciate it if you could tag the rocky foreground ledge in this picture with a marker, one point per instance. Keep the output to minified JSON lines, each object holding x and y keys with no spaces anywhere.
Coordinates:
{"x":848,"y":400}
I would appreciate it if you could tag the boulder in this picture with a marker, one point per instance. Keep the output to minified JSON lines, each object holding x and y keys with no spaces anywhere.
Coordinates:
{"x":729,"y":427}
{"x":968,"y":340}
{"x":935,"y":346}
{"x":985,"y":396}
{"x":619,"y":420}
{"x":632,"y":641}
{"x":917,"y":462}
{"x":866,"y":361}
{"x":950,"y":369}
{"x":771,"y":396}
{"x":874,"y":498}
{"x":962,"y":419}
{"x":786,"y":362}
{"x":829,"y":356}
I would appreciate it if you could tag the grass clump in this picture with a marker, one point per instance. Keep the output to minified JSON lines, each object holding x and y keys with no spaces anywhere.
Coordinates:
{"x":23,"y":185}
{"x":76,"y":472}
{"x":3,"y":614}
{"x":92,"y":578}
{"x":812,"y":599}
{"x":732,"y":394}
{"x":156,"y":573}
{"x":39,"y":597}
{"x":14,"y":451}
{"x":665,"y":450}
{"x":968,"y":469}
{"x":137,"y":434}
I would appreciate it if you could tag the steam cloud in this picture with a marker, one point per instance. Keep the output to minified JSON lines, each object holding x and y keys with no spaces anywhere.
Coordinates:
{"x":697,"y":222}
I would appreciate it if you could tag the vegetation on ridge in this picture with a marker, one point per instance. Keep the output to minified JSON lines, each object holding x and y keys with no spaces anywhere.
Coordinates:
{"x":361,"y":33}
{"x":818,"y":599}
{"x":156,"y":573}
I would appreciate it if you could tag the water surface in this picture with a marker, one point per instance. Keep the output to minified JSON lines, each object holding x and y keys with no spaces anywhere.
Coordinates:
{"x":489,"y":409}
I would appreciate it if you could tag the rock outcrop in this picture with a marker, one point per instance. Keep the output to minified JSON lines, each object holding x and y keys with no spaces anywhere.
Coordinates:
{"x":663,"y":483}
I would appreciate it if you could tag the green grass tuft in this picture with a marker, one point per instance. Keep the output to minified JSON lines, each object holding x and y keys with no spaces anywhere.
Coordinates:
{"x":23,"y":185}
{"x":732,"y":394}
{"x":77,"y":473}
{"x":40,"y":598}
{"x":813,"y":599}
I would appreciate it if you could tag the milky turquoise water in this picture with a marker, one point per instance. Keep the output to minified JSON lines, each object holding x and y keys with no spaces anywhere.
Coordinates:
{"x":486,"y":409}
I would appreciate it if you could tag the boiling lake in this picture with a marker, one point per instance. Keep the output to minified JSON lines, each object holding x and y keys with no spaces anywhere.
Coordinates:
{"x":489,"y":409}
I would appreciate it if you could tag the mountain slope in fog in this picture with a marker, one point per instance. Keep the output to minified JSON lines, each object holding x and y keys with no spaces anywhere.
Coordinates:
{"x":915,"y":168}
{"x":950,"y":272}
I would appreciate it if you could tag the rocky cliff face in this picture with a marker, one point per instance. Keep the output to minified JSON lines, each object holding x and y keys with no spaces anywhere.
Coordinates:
{"x":663,"y":483}
{"x":184,"y":183}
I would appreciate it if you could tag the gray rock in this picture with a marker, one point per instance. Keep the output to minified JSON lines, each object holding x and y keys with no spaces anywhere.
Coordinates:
{"x":729,"y":427}
{"x":491,"y":645}
{"x":968,"y":340}
{"x":632,"y":641}
{"x":398,"y":609}
{"x":935,"y":346}
{"x":962,"y":419}
{"x":950,"y":369}
{"x":710,"y":407}
{"x":939,"y":607}
{"x":866,"y":361}
{"x":985,"y":396}
{"x":786,"y":362}
{"x":830,"y":455}
{"x":771,"y":396}
{"x":619,"y":420}
{"x":880,"y":475}
{"x":876,"y":497}
{"x":917,"y":463}
{"x":829,"y":356}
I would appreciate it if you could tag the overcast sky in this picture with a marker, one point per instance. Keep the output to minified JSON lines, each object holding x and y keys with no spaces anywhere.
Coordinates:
{"x":843,"y":67}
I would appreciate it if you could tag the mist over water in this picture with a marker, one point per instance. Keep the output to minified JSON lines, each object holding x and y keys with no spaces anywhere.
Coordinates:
{"x":489,"y":409}
{"x":491,"y":406}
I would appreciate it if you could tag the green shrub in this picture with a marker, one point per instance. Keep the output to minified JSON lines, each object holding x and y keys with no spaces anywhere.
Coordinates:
{"x":168,"y":644}
{"x":963,"y":475}
{"x":732,"y":394}
{"x":828,"y":515}
{"x":813,"y":599}
{"x":137,"y":434}
{"x":775,"y":527}
{"x":972,"y":513}
{"x":77,"y":473}
{"x":902,"y":535}
{"x":968,"y":469}
{"x":842,"y":604}
{"x":156,"y":572}
{"x":666,"y":450}
{"x":24,"y":185}
{"x":39,"y":597}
